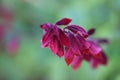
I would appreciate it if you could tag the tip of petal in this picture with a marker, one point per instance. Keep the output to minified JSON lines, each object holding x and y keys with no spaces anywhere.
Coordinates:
{"x":42,"y":26}
{"x":60,"y":53}
{"x":76,"y":63}
{"x":68,"y":61}
{"x":91,"y":31}
{"x":64,"y":21}
{"x":99,"y":55}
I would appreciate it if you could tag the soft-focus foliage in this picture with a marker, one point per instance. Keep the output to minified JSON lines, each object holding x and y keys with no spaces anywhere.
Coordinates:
{"x":21,"y":55}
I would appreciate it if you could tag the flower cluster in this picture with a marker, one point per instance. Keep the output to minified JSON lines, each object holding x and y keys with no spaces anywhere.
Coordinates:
{"x":73,"y":43}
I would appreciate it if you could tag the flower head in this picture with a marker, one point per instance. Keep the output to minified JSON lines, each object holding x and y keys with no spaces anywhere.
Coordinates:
{"x":54,"y":38}
{"x":73,"y":43}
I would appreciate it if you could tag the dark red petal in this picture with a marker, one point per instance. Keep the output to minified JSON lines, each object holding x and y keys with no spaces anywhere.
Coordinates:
{"x":69,"y":55}
{"x":46,"y":38}
{"x":83,"y":44}
{"x":87,"y":57}
{"x":78,"y":30}
{"x":63,"y":38}
{"x":60,"y":51}
{"x":43,"y":26}
{"x":94,"y":63}
{"x":91,"y":31}
{"x":46,"y":26}
{"x":74,"y":45}
{"x":64,"y":21}
{"x":56,"y":30}
{"x":94,"y":48}
{"x":99,"y":61}
{"x":54,"y":44}
{"x":103,"y":59}
{"x":76,"y":62}
{"x":99,"y":55}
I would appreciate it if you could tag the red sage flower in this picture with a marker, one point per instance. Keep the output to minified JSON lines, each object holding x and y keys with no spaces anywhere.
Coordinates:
{"x":73,"y":43}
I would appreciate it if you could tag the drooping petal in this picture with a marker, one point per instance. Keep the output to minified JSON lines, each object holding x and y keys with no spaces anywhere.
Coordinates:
{"x":46,"y":26}
{"x":74,"y":44}
{"x":60,"y":51}
{"x":98,"y":61}
{"x":54,"y":44}
{"x":94,"y":49}
{"x":46,"y":38}
{"x":91,"y":31}
{"x":78,"y":30}
{"x":83,"y":44}
{"x":69,"y":55}
{"x":94,"y":63}
{"x":87,"y":57}
{"x":56,"y":30}
{"x":64,"y":21}
{"x":103,"y":60}
{"x":63,"y":38}
{"x":76,"y":62}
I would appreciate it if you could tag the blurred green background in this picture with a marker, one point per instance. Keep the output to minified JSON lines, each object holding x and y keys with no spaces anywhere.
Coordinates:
{"x":31,"y":62}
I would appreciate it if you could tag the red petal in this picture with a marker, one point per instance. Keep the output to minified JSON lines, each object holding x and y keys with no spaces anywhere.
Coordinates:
{"x":103,"y":59}
{"x":78,"y":29}
{"x":87,"y":57}
{"x":46,"y":26}
{"x":83,"y":44}
{"x":68,"y":56}
{"x":46,"y":38}
{"x":94,"y":63}
{"x":76,"y":62}
{"x":74,"y":45}
{"x":91,"y":31}
{"x":60,"y":51}
{"x":64,"y":21}
{"x":97,"y":61}
{"x":54,"y":44}
{"x":94,"y":48}
{"x":63,"y":38}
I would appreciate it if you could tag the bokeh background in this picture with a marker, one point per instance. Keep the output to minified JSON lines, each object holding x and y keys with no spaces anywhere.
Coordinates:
{"x":21,"y":55}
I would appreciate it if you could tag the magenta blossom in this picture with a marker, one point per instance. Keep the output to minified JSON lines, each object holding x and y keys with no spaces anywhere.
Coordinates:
{"x":73,"y":43}
{"x":55,"y":38}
